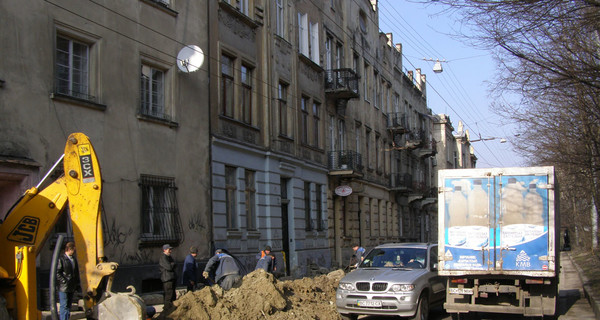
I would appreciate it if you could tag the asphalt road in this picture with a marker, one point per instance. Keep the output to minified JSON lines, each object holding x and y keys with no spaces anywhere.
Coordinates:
{"x":572,"y":304}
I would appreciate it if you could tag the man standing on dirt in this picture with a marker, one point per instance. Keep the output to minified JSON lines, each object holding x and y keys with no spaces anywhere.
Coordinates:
{"x":265,"y":252}
{"x":190,"y":270}
{"x":227,"y":272}
{"x":166,"y":264}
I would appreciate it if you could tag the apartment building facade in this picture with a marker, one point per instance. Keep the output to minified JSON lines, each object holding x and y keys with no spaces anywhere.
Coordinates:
{"x":320,"y":139}
{"x":108,"y":69}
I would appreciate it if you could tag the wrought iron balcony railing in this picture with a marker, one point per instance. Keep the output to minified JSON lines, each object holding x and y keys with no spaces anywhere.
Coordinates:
{"x":341,"y":83}
{"x":397,"y":122}
{"x":342,"y":160}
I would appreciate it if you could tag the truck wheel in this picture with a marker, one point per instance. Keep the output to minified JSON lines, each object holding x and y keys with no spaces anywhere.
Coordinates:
{"x":348,"y":316}
{"x":422,"y":308}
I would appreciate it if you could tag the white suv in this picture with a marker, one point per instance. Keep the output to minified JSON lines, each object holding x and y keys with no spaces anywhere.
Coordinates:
{"x":394,"y":279}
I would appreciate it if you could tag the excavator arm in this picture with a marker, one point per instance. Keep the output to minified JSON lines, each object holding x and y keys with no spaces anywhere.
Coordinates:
{"x":31,"y":221}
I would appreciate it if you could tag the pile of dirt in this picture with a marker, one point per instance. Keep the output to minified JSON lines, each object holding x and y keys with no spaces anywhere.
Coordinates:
{"x":261,"y":296}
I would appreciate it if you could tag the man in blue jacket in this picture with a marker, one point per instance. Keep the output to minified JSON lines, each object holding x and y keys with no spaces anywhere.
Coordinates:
{"x":190,"y":270}
{"x":227,"y":272}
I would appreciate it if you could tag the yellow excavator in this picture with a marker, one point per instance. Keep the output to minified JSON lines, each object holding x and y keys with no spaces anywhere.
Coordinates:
{"x":30,"y":221}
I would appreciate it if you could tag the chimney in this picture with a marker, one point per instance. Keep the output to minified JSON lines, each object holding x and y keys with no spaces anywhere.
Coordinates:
{"x":390,"y":39}
{"x":410,"y":75}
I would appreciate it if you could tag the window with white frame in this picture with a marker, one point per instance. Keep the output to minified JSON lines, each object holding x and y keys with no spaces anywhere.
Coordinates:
{"x":243,"y":6}
{"x":308,"y":38}
{"x":280,"y":18}
{"x":152,"y":84}
{"x":72,"y":68}
{"x":246,"y":96}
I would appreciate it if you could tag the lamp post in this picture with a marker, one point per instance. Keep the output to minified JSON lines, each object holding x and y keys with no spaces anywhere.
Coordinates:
{"x":502,"y":140}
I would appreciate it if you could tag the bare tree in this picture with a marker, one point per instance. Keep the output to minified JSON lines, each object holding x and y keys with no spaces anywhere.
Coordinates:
{"x":549,"y":56}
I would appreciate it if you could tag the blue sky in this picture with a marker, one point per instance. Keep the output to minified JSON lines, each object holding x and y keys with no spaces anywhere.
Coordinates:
{"x":461,"y":90}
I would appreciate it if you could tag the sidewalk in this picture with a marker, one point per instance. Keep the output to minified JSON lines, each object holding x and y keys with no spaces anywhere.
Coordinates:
{"x":588,"y":268}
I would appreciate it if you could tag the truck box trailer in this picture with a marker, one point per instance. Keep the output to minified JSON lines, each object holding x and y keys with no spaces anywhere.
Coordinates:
{"x":498,"y":243}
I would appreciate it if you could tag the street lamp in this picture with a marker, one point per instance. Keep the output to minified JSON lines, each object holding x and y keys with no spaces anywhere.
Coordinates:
{"x":502,"y":140}
{"x":437,"y":66}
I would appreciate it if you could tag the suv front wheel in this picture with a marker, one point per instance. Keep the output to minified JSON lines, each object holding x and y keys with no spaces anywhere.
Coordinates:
{"x":348,"y":316}
{"x":423,"y":308}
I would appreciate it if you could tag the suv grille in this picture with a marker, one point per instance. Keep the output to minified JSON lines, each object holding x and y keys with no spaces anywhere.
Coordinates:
{"x":366,"y":286}
{"x":362,"y":286}
{"x":379,"y":286}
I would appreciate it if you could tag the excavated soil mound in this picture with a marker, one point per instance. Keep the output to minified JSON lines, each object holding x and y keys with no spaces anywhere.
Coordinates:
{"x":261,"y":296}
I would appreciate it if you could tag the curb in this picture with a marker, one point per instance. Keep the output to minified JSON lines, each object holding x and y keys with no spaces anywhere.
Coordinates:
{"x":587,"y":289}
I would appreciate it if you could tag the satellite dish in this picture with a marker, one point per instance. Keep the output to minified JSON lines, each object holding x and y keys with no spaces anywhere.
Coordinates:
{"x":190,"y":58}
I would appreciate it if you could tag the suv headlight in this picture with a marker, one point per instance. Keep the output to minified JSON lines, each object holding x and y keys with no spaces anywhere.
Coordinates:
{"x":402,"y":287}
{"x":346,"y":286}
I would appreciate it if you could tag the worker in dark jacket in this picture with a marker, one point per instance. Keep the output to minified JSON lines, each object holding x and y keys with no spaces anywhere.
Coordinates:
{"x":190,"y":269}
{"x":67,"y":276}
{"x":168,"y":276}
{"x":227,"y":272}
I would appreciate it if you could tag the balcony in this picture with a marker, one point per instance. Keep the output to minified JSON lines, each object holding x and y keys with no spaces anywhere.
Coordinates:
{"x":341,"y":83}
{"x":397,"y":122}
{"x":401,"y":182}
{"x":344,"y":162}
{"x":428,"y":148}
{"x":414,"y":139}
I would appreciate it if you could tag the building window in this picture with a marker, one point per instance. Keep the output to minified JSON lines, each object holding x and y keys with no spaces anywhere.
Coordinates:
{"x":341,"y":134}
{"x":152,"y":92}
{"x":282,"y":95}
{"x":243,"y":6}
{"x":304,"y":120}
{"x":368,"y":148}
{"x":160,"y":213}
{"x":230,"y":197}
{"x":319,"y":202}
{"x":72,"y":68}
{"x":246,"y":80}
{"x":377,"y":141}
{"x":250,"y":194}
{"x":308,"y":38}
{"x":227,"y":85}
{"x":280,"y":18}
{"x":376,"y":95}
{"x":366,"y":81}
{"x":355,"y":63}
{"x":316,"y":124}
{"x":307,"y":211}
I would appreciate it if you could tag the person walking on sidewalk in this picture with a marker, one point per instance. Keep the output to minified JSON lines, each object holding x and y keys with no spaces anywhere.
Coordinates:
{"x":190,"y":270}
{"x":168,"y":276}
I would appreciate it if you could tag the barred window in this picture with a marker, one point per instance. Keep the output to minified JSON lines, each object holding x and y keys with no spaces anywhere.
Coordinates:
{"x":160,"y":213}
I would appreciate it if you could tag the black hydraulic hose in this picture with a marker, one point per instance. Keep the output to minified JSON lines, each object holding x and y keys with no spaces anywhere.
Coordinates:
{"x":55,"y":256}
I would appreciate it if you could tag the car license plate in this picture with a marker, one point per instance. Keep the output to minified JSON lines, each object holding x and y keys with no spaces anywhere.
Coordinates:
{"x":368,"y":303}
{"x":460,"y":291}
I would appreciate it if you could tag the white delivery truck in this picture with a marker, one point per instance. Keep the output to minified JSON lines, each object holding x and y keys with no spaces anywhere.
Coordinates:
{"x":499,"y":240}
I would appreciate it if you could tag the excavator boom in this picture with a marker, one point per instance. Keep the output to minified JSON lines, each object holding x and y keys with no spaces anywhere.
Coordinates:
{"x":31,"y":221}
